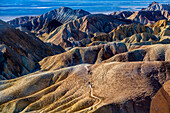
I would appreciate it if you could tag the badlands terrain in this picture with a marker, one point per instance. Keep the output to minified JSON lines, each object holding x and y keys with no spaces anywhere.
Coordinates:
{"x":67,"y":61}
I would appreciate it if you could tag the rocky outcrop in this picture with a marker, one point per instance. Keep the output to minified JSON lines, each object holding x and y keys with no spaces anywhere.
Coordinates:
{"x":20,"y":52}
{"x":49,"y":27}
{"x":55,"y":48}
{"x":141,"y":37}
{"x":20,"y":20}
{"x":62,"y":15}
{"x":162,"y":28}
{"x":161,"y":23}
{"x":139,"y":33}
{"x":101,"y":37}
{"x":122,"y":14}
{"x":134,"y":34}
{"x":159,"y":52}
{"x":152,"y":13}
{"x":123,"y":31}
{"x":165,"y":32}
{"x":165,"y":40}
{"x":121,"y":87}
{"x":97,"y":43}
{"x":161,"y":101}
{"x":32,"y":47}
{"x":157,"y":7}
{"x":13,"y":65}
{"x":149,"y":17}
{"x":83,"y":28}
{"x":81,"y":55}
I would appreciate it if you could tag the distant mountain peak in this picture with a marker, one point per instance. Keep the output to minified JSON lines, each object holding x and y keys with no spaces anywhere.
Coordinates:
{"x":153,"y":3}
{"x":149,"y":17}
{"x":155,"y":6}
{"x":65,"y":8}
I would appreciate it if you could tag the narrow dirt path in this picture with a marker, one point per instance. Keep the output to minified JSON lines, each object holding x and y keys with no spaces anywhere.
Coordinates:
{"x":91,"y":89}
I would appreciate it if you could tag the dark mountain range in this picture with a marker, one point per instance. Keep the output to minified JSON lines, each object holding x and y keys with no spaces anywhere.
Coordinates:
{"x":62,"y":15}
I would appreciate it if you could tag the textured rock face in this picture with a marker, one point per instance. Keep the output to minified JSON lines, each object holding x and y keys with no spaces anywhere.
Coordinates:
{"x":79,"y":55}
{"x":162,"y":28}
{"x":158,"y":52}
{"x":62,"y":15}
{"x":13,"y":64}
{"x":97,"y":43}
{"x":157,"y":7}
{"x":161,"y":101}
{"x":120,"y":87}
{"x":123,"y":31}
{"x":165,"y":40}
{"x":28,"y":46}
{"x":122,"y":14}
{"x":141,"y":37}
{"x":149,"y":17}
{"x":134,"y":33}
{"x":21,"y":20}
{"x":161,"y":23}
{"x":20,"y":52}
{"x":83,"y":28}
{"x":101,"y":37}
{"x":48,"y":28}
{"x":152,"y":14}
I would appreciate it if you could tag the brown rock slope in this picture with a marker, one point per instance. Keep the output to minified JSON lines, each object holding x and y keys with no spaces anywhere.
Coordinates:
{"x":109,"y":87}
{"x":141,"y":37}
{"x":22,"y":42}
{"x":161,"y":23}
{"x":161,"y":101}
{"x":123,"y":31}
{"x":84,"y":27}
{"x":20,"y":52}
{"x":149,"y":17}
{"x":49,"y":27}
{"x":134,"y":33}
{"x":80,"y":55}
{"x":159,"y":52}
{"x":101,"y":37}
{"x":162,"y":27}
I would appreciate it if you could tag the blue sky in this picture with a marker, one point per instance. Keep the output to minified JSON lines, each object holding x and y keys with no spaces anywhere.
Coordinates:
{"x":12,"y":8}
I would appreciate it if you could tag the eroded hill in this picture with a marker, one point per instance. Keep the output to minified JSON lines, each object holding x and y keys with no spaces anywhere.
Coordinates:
{"x":106,"y":64}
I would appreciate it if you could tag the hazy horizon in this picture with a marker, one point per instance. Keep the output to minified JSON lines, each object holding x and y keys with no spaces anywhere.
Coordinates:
{"x":10,"y":9}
